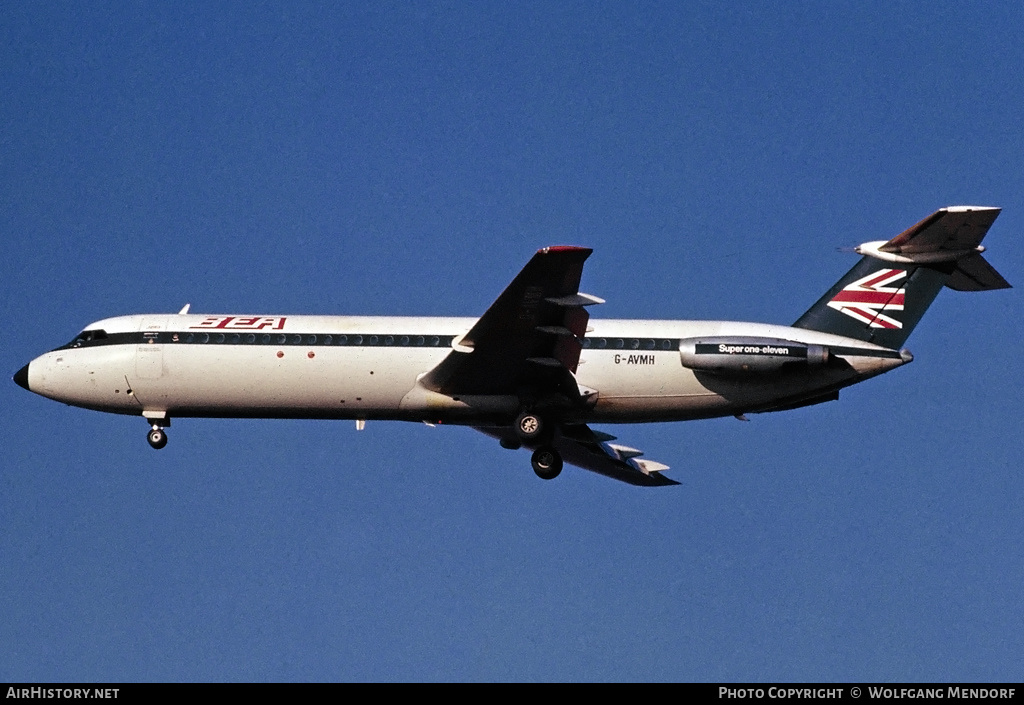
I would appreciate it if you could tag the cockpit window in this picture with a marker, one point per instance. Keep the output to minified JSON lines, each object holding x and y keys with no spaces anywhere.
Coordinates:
{"x":88,"y":336}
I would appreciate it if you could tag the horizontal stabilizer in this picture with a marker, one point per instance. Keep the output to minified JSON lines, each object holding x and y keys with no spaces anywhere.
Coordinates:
{"x":952,"y":229}
{"x":974,"y":273}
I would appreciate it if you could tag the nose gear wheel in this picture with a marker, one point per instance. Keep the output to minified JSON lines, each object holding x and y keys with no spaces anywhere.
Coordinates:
{"x":157,"y":438}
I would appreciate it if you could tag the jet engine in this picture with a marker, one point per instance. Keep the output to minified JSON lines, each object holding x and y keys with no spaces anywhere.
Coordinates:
{"x":747,"y":355}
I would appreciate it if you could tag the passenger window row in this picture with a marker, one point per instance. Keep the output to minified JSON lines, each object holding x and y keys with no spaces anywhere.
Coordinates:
{"x":631,"y":343}
{"x":411,"y":341}
{"x":99,"y":337}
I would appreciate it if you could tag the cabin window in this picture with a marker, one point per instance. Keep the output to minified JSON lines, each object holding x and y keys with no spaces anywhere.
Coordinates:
{"x":90,"y":336}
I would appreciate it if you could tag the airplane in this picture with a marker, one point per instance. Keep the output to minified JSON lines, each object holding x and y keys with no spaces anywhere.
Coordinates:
{"x":534,"y":370}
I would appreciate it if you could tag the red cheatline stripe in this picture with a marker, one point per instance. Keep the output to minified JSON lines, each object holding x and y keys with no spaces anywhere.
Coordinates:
{"x":882,"y":276}
{"x":869,"y":297}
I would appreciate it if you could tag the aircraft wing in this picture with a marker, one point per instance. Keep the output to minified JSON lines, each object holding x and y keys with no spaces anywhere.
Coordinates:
{"x":585,"y":448}
{"x":530,"y":336}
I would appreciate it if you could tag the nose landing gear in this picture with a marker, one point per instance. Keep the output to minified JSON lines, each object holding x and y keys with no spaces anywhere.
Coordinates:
{"x":157,"y":437}
{"x":158,"y":420}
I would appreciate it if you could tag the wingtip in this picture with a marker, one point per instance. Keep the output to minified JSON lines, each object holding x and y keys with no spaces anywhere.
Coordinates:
{"x":563,"y":248}
{"x":968,"y":209}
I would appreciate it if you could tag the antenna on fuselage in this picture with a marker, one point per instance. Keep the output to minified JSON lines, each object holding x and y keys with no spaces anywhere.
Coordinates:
{"x":184,"y":310}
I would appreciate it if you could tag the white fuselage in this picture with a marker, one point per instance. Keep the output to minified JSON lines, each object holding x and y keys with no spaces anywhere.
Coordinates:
{"x":349,"y":367}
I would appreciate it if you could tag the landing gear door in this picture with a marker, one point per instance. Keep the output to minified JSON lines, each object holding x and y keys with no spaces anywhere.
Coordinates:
{"x":149,"y":354}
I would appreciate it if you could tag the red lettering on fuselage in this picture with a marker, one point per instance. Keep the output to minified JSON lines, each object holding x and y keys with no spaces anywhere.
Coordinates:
{"x":243,"y":322}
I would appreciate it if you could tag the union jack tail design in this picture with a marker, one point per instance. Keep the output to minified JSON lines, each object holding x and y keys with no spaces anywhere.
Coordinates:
{"x":883,"y":297}
{"x":876,"y":302}
{"x":866,"y":298}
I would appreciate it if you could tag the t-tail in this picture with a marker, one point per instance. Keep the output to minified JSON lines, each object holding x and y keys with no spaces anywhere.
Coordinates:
{"x":883,"y":297}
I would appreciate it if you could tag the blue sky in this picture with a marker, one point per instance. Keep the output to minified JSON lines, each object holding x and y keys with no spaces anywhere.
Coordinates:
{"x":408,"y":158}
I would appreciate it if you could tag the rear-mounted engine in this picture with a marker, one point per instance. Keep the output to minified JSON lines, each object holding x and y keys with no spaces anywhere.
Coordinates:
{"x":731,"y":355}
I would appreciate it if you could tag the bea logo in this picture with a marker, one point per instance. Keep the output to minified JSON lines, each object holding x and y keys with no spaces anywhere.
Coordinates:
{"x":242,"y":322}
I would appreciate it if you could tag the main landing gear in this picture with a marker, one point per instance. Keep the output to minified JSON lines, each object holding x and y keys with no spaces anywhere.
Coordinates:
{"x":547,"y":463}
{"x":157,"y":437}
{"x":529,"y":426}
{"x":532,"y":429}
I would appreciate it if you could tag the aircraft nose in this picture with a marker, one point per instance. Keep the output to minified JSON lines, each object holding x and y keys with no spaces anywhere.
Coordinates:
{"x":21,"y":377}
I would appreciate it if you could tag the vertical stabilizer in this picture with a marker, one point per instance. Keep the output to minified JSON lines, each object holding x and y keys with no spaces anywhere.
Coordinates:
{"x":884,"y":296}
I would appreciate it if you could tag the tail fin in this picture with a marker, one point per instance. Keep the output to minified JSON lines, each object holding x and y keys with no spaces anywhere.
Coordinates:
{"x":883,"y":297}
